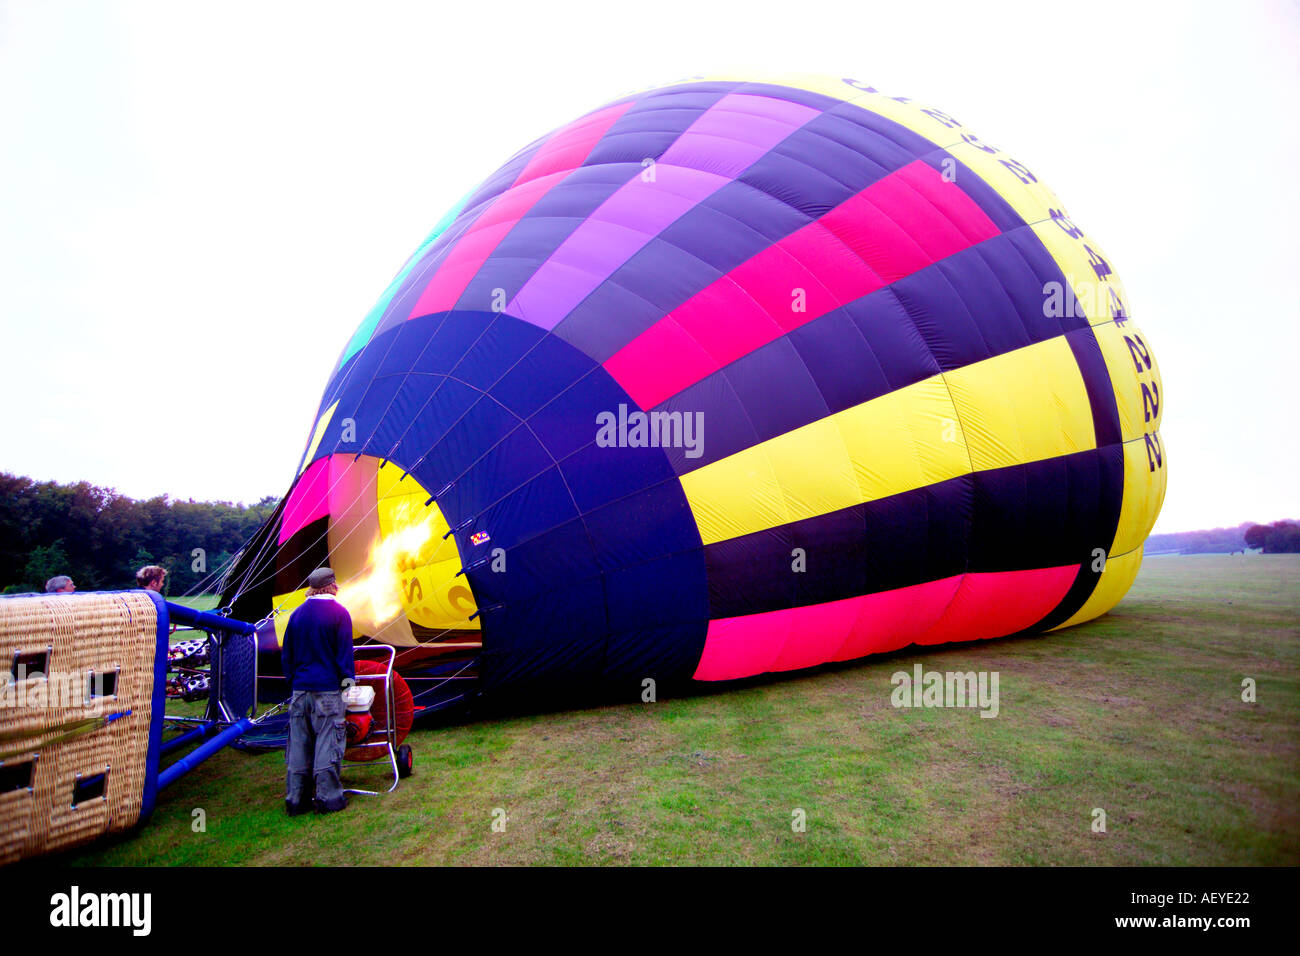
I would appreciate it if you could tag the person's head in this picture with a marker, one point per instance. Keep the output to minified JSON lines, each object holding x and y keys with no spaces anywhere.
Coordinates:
{"x":151,"y":578}
{"x":321,"y":581}
{"x":60,"y":584}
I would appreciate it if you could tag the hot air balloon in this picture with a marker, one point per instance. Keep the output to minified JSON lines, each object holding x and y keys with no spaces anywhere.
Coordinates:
{"x":729,"y":377}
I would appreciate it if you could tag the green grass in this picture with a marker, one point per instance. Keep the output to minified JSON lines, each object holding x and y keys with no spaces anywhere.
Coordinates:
{"x":200,"y":602}
{"x":1138,"y":713}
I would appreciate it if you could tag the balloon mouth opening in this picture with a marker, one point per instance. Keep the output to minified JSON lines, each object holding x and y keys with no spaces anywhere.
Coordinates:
{"x":374,"y":597}
{"x":397,"y":564}
{"x":412,"y":581}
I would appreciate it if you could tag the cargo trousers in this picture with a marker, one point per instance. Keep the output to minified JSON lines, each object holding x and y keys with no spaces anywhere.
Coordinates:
{"x":315,"y":749}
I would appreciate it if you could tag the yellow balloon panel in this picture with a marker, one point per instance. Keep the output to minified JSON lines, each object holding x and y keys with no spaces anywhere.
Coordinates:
{"x":426,"y":557}
{"x":1093,"y":289}
{"x":317,"y":434}
{"x":1025,"y":405}
{"x":1116,"y":578}
{"x":1145,"y":477}
{"x":1135,"y":377}
{"x":282,"y":607}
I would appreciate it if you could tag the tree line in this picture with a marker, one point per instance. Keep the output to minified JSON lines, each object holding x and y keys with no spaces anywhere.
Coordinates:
{"x":1273,"y":538}
{"x":100,"y":538}
{"x":1280,"y":537}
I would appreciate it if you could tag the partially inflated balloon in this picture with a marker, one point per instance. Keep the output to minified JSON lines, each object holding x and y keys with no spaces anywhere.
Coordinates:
{"x":725,"y":378}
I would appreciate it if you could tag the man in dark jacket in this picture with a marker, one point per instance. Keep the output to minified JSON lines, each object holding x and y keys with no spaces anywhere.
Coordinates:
{"x":317,"y":658}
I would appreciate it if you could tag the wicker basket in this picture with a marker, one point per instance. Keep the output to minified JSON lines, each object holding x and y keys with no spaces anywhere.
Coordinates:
{"x":58,"y":738}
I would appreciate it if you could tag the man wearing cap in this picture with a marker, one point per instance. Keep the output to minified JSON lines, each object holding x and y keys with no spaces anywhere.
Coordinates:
{"x":317,"y":658}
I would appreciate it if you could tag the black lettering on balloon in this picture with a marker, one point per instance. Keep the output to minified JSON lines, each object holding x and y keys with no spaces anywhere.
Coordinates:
{"x":1137,"y":348}
{"x":1151,"y":400}
{"x":1062,"y":220}
{"x":1117,"y":307}
{"x":975,"y":141}
{"x":1154,"y":458}
{"x":1099,"y":265}
{"x":942,"y":117}
{"x":1020,"y":169}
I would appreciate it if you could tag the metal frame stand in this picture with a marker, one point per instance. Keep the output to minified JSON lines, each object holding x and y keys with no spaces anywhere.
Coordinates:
{"x":232,"y":704}
{"x":389,"y":736}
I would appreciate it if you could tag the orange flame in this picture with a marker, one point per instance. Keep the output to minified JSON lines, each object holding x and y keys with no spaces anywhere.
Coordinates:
{"x":375,"y":597}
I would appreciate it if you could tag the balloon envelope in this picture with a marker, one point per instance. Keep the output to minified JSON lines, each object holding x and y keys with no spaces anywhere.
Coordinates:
{"x":730,"y":377}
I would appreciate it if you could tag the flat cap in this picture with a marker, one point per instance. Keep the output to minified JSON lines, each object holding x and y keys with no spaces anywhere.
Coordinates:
{"x":320,"y":578}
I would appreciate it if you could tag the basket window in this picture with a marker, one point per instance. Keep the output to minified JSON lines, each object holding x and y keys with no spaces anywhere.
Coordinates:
{"x":103,"y":684}
{"x":89,"y":788}
{"x":16,"y":776}
{"x":30,"y":664}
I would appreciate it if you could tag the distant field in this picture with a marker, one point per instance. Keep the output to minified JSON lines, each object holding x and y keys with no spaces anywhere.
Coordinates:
{"x":200,"y":602}
{"x":1138,"y":714}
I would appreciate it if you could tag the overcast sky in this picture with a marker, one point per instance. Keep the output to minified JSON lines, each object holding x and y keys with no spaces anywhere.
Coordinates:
{"x":200,"y":201}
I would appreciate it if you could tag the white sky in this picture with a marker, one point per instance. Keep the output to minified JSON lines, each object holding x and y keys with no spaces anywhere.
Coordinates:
{"x":200,"y":201}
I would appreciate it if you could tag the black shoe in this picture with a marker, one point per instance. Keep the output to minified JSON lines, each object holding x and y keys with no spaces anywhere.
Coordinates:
{"x":323,"y":807}
{"x":297,"y":809}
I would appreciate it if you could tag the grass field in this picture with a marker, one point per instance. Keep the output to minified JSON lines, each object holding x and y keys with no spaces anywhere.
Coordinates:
{"x":1138,"y":713}
{"x":200,"y":602}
